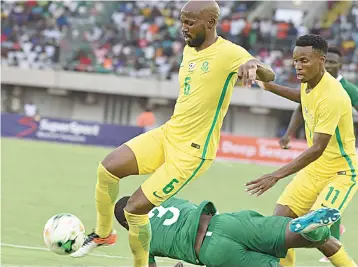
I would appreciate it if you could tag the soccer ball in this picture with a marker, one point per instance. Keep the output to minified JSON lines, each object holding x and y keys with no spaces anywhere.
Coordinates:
{"x":64,"y":234}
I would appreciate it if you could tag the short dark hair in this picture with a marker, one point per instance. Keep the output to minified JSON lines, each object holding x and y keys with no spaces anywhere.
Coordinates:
{"x":119,"y":210}
{"x":334,"y":50}
{"x":316,"y":41}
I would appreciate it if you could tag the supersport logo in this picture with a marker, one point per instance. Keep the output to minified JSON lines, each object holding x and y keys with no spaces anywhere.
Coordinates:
{"x":30,"y":123}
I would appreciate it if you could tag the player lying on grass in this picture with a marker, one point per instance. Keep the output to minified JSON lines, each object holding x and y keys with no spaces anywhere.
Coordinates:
{"x":199,"y":235}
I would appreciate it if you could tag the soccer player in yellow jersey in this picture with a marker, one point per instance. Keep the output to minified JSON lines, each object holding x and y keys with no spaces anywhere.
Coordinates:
{"x":332,"y":65}
{"x":326,"y":171}
{"x":181,"y":150}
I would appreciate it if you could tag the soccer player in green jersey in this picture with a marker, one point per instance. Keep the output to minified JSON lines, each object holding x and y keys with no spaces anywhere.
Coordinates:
{"x":333,"y":66}
{"x":199,"y":235}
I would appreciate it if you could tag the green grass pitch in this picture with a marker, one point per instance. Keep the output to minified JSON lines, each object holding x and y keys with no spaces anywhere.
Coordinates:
{"x":41,"y":179}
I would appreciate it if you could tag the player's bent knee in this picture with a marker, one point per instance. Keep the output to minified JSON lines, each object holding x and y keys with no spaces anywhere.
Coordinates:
{"x":121,"y":162}
{"x":138,"y":203}
{"x":285,"y":211}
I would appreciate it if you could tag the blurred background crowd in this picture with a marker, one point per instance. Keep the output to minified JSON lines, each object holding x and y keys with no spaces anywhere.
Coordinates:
{"x":143,"y":38}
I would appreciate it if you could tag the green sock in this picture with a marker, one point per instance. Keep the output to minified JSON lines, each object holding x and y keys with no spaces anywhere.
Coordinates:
{"x":318,"y":235}
{"x":335,"y":230}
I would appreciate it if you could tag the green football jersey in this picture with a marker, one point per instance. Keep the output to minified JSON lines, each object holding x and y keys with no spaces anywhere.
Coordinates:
{"x":174,"y":228}
{"x":351,"y":89}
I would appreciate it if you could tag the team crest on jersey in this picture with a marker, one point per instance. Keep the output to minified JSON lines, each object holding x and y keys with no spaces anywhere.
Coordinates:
{"x":192,"y":66}
{"x":205,"y":66}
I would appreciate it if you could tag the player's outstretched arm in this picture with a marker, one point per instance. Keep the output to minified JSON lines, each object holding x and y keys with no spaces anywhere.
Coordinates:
{"x":295,"y":123}
{"x":259,"y":186}
{"x":286,"y":92}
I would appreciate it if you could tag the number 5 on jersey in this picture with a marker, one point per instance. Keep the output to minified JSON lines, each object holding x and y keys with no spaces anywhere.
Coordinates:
{"x":187,"y":85}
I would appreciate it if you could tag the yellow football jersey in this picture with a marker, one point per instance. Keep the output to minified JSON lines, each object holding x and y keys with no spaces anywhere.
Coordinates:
{"x":327,"y":109}
{"x":206,"y":80}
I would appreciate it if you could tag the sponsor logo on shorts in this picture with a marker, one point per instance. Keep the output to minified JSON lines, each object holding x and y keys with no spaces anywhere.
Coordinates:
{"x":156,"y":195}
{"x":195,"y":145}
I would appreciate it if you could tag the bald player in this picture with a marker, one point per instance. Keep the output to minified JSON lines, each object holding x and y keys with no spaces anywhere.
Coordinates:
{"x":182,"y":149}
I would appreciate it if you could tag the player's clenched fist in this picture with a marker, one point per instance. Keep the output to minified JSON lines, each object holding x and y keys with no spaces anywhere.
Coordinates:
{"x":247,"y":73}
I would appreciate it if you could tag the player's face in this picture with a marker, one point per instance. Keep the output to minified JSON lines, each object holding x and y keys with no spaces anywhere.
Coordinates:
{"x":333,"y":64}
{"x":308,"y":63}
{"x":193,"y":29}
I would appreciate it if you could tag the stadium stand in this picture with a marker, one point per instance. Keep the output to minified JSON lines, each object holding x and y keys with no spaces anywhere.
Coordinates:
{"x":142,"y":39}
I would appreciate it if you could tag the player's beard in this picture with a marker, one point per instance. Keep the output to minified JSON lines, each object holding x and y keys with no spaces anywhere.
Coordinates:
{"x":199,"y":39}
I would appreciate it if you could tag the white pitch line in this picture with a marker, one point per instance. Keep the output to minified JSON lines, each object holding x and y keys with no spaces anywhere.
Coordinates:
{"x":98,"y":255}
{"x":45,"y":249}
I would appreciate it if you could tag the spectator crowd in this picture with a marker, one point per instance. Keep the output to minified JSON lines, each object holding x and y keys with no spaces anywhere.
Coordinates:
{"x":143,"y":39}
